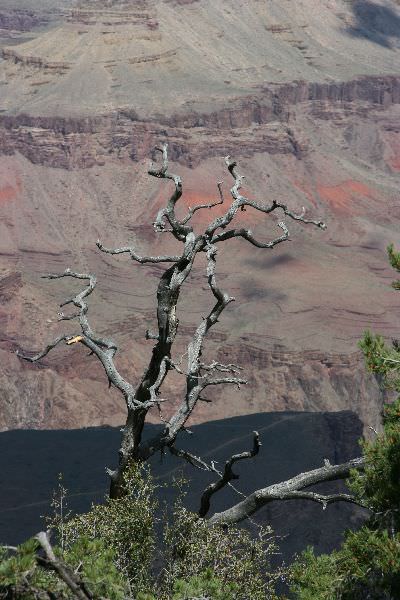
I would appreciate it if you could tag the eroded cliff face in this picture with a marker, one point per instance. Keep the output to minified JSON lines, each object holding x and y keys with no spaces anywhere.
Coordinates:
{"x":262,"y":123}
{"x":16,"y":20}
{"x":302,"y":127}
{"x":72,"y":392}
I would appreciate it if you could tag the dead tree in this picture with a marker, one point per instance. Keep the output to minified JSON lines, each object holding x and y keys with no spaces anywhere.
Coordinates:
{"x":140,"y":397}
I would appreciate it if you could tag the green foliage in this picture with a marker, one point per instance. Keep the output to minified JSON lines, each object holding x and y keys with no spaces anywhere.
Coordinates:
{"x":367,"y":566}
{"x":382,"y":360}
{"x":374,"y":560}
{"x":205,"y":584}
{"x":379,"y":485}
{"x":126,"y":526}
{"x":315,"y":577}
{"x":113,"y":549}
{"x":194,"y":548}
{"x":394,"y":259}
{"x":368,"y":563}
{"x":21,"y":576}
{"x":94,"y":560}
{"x":18,"y":566}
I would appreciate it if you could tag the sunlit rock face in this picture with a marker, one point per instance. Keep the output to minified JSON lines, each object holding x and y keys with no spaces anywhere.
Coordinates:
{"x":305,"y":96}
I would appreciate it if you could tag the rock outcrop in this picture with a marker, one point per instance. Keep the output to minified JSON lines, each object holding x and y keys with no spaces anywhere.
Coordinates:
{"x":19,"y":20}
{"x":261,"y":123}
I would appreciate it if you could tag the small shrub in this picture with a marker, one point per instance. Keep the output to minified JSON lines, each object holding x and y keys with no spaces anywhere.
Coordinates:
{"x":114,"y":550}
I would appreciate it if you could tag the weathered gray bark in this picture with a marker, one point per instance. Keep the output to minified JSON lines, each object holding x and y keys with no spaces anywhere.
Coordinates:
{"x":227,"y":476}
{"x":292,"y":489}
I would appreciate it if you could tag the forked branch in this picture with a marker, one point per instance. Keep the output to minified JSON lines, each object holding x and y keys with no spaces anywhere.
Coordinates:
{"x":193,"y":210}
{"x":240,"y":202}
{"x":179,"y":230}
{"x":103,"y":348}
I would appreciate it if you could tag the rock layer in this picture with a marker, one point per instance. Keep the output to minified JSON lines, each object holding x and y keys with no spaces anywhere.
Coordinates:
{"x":262,"y":123}
{"x":79,"y":120}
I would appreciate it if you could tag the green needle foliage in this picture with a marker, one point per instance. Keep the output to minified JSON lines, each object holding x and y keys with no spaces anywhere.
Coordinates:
{"x":19,"y":566}
{"x":21,"y":577}
{"x":368,"y":564}
{"x":379,"y":485}
{"x":367,"y":567}
{"x":95,"y":561}
{"x":394,"y":259}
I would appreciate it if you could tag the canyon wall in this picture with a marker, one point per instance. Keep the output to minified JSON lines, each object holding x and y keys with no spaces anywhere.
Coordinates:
{"x":83,"y":142}
{"x":88,"y":91}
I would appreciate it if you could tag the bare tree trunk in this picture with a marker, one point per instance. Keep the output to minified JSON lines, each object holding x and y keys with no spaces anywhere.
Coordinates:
{"x":144,"y":395}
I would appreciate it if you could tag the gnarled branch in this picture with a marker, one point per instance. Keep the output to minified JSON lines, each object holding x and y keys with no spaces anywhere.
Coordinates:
{"x":192,"y":211}
{"x":227,"y":476}
{"x":290,"y":489}
{"x":134,"y":256}
{"x":247,"y":234}
{"x":192,"y":459}
{"x":240,"y":202}
{"x":103,"y":348}
{"x":45,"y":351}
{"x":323,"y":499}
{"x":179,"y":230}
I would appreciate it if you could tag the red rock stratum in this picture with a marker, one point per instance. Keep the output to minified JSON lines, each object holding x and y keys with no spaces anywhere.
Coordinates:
{"x":305,"y":95}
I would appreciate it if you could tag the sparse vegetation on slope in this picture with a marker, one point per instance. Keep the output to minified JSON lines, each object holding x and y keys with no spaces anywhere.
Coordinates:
{"x":368,"y":564}
{"x":113,"y":552}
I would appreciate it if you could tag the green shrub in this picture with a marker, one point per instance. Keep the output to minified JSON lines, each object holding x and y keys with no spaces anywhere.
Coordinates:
{"x":368,"y":564}
{"x":193,"y":548}
{"x":113,"y":548}
{"x":125,"y":526}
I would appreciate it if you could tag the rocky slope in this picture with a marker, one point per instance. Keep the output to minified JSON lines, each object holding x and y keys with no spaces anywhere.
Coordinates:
{"x":305,"y":95}
{"x":34,"y":459}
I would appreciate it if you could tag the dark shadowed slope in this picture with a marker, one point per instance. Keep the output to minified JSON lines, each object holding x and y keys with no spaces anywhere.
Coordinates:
{"x":292,"y":442}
